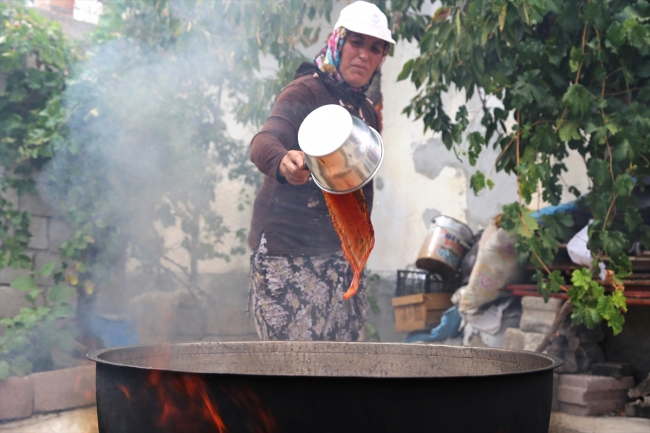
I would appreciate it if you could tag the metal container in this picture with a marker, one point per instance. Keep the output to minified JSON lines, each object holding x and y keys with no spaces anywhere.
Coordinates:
{"x":444,"y":247}
{"x":341,"y":151}
{"x":300,"y":386}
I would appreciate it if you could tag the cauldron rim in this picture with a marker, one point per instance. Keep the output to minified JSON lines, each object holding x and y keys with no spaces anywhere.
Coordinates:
{"x":488,"y":354}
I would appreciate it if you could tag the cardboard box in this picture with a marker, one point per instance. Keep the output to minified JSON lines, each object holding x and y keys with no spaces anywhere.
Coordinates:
{"x":421,"y":311}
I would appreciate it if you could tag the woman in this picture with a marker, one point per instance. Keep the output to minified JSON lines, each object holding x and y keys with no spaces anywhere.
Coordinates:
{"x":298,"y":271}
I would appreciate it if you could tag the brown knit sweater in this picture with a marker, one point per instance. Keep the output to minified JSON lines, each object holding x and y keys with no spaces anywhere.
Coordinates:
{"x":294,"y":219}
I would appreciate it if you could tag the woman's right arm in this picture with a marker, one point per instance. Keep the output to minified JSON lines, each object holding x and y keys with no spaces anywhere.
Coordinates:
{"x":274,"y":150}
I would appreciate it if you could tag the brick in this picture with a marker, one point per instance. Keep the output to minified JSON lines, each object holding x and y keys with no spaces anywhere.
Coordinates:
{"x":16,"y":397}
{"x":593,"y":408}
{"x":642,"y":389}
{"x":537,"y":321}
{"x":34,"y":205}
{"x":577,"y":395}
{"x":64,"y":389}
{"x":532,"y":340}
{"x":597,"y":383}
{"x":640,"y":409}
{"x":58,"y":232}
{"x":38,"y":229}
{"x":513,"y":339}
{"x":537,"y":303}
{"x":611,"y":369}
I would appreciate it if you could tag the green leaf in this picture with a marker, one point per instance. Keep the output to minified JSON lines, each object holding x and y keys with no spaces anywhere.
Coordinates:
{"x":578,"y":99}
{"x":61,"y":293}
{"x":569,"y":131}
{"x":477,"y":182}
{"x":23,"y":283}
{"x":406,"y":70}
{"x":47,"y":269}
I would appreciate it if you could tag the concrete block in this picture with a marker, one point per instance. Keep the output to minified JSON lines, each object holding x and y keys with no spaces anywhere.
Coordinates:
{"x":38,"y":229}
{"x":611,"y":369}
{"x":58,"y":232}
{"x":64,"y":389}
{"x":16,"y":397}
{"x":640,"y":409}
{"x":641,"y":390}
{"x":537,"y":321}
{"x":513,"y":339}
{"x":537,"y":303}
{"x":12,"y":300}
{"x":34,"y":205}
{"x":577,"y":395}
{"x":597,"y":383}
{"x":532,"y":340}
{"x":592,"y":408}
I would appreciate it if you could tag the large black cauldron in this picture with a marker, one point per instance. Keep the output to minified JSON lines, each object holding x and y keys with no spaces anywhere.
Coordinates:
{"x":310,"y":387}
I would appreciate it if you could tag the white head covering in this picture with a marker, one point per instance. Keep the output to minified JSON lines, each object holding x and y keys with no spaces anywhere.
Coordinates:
{"x":365,"y":18}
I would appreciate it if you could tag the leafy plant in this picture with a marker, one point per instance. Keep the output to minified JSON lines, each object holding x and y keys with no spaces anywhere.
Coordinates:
{"x":30,"y":336}
{"x":571,"y":75}
{"x":35,"y":58}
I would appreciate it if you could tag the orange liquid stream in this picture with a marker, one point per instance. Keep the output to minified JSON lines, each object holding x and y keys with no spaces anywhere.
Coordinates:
{"x":352,"y":223}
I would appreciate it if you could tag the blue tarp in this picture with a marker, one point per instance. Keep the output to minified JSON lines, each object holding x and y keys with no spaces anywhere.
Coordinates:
{"x":448,"y":328}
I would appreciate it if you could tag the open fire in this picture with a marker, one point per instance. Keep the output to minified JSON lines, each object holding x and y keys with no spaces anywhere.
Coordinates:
{"x":185,"y":403}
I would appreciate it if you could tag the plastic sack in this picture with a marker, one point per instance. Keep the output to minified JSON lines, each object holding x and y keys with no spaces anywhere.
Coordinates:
{"x":496,"y":265}
{"x":578,"y":251}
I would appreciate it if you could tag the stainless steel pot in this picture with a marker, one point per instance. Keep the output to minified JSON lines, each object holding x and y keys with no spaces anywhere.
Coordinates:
{"x":341,"y":151}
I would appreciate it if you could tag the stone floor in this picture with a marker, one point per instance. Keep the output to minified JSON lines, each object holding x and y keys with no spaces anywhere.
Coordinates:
{"x":85,"y":421}
{"x":565,"y":423}
{"x":82,"y":420}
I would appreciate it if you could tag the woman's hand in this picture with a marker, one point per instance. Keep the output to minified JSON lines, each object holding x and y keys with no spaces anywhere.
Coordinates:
{"x":294,"y":168}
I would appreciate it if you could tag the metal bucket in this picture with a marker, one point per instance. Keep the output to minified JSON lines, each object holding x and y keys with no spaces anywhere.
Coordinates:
{"x":304,"y":386}
{"x":341,"y":151}
{"x":444,"y":247}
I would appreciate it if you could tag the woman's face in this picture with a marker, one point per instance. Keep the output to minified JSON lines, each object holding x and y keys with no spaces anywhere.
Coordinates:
{"x":360,"y":58}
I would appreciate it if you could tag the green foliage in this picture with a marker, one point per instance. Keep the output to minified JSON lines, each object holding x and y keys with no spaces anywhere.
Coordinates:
{"x":591,"y":306}
{"x":576,"y":76}
{"x":34,"y":61}
{"x":30,"y":336}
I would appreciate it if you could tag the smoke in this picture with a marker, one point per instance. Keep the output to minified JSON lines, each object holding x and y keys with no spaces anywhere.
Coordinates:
{"x":149,"y":173}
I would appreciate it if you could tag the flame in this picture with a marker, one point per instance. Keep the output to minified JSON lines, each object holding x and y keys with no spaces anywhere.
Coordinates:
{"x":125,"y":390}
{"x":185,"y":403}
{"x":351,"y":220}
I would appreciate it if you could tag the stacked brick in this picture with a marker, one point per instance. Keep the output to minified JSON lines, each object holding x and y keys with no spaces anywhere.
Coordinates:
{"x":641,"y":406}
{"x":588,"y":395}
{"x":50,"y":391}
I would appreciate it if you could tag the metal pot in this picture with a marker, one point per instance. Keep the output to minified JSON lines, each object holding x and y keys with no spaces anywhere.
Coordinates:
{"x":444,"y":247}
{"x":303,"y":386}
{"x":341,"y":151}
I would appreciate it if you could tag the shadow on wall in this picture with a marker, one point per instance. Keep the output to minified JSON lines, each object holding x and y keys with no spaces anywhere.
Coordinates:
{"x":430,"y":158}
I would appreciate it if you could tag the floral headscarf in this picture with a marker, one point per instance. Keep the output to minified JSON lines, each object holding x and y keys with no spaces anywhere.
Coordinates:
{"x":328,"y":62}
